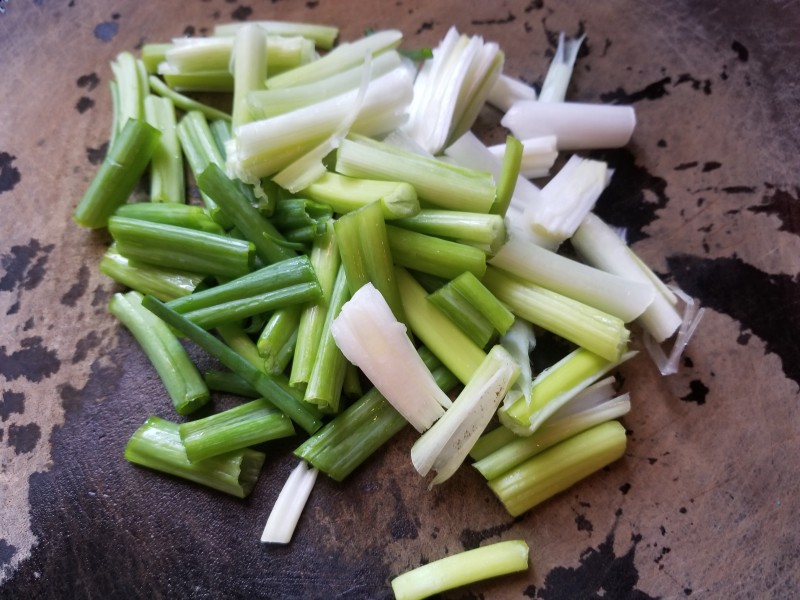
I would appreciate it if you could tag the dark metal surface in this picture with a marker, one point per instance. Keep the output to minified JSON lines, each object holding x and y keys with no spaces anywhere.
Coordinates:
{"x":704,"y":504}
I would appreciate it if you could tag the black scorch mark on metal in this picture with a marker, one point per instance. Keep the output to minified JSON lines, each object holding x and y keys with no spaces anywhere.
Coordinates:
{"x":33,"y":361}
{"x":96,"y":155}
{"x":583,"y":523}
{"x":7,"y":552}
{"x":242,"y":13}
{"x":742,"y":53}
{"x":84,"y":104}
{"x":23,"y":438}
{"x":758,"y":298}
{"x":12,"y":403}
{"x":89,"y":81}
{"x":106,"y":30}
{"x":9,"y":174}
{"x":785,"y":206}
{"x":472,"y":538}
{"x":697,"y":392}
{"x":509,"y":18}
{"x":77,"y":289}
{"x":652,"y":91}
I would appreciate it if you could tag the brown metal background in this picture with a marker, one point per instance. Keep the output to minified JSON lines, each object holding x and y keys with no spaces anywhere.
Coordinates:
{"x":705,"y":502}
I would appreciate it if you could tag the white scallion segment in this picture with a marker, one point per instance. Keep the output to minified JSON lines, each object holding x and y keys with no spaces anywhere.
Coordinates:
{"x":198,"y":55}
{"x":447,"y":443}
{"x":507,"y":90}
{"x":340,"y":59}
{"x":692,"y":314}
{"x":371,"y":338}
{"x":577,"y":126}
{"x":249,"y":69}
{"x":554,"y":88}
{"x":538,"y":155}
{"x":451,"y":88}
{"x":519,"y":341}
{"x":461,"y":569}
{"x":289,"y":506}
{"x":322,"y":35}
{"x":265,"y":147}
{"x":468,"y":151}
{"x":269,"y":103}
{"x":567,"y":199}
{"x":622,"y":297}
{"x":601,"y":247}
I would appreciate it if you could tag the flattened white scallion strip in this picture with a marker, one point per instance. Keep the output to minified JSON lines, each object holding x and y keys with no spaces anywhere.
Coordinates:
{"x":447,"y":443}
{"x":507,"y":90}
{"x":692,"y":314}
{"x":538,"y":155}
{"x":249,"y":68}
{"x":520,"y":341}
{"x":601,"y":247}
{"x":322,"y":35}
{"x":566,"y":199}
{"x":370,"y":337}
{"x":622,"y":297}
{"x":199,"y":55}
{"x":554,"y":88}
{"x":577,"y":126}
{"x":289,"y":506}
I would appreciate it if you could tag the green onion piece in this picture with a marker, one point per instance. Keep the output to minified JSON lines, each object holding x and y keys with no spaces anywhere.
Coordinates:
{"x":559,"y":467}
{"x":146,"y":279}
{"x":439,"y":183}
{"x":322,"y":35}
{"x":183,"y":382}
{"x":363,"y":242}
{"x":261,"y":233}
{"x":554,"y":387}
{"x":249,"y":67}
{"x":123,"y":166}
{"x":295,"y":214}
{"x":433,"y":255}
{"x":199,"y":81}
{"x":221,"y":132}
{"x":288,"y":507}
{"x":277,"y":341}
{"x":324,"y":258}
{"x":473,"y":308}
{"x":357,"y":432}
{"x":131,"y":78}
{"x":181,"y":248}
{"x":237,"y":339}
{"x":327,"y":375}
{"x":157,"y":445}
{"x":345,"y":194}
{"x":229,"y":383}
{"x":556,"y":82}
{"x":166,"y":167}
{"x":239,"y":427}
{"x":441,"y":336}
{"x":171,"y":213}
{"x":184,"y":102}
{"x":512,"y":159}
{"x":153,"y":55}
{"x":487,"y":232}
{"x":273,"y":388}
{"x":488,"y":443}
{"x":277,"y":276}
{"x":588,"y":327}
{"x":461,"y":569}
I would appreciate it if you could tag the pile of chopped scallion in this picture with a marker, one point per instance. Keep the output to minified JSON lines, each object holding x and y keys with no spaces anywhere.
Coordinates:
{"x":360,"y":261}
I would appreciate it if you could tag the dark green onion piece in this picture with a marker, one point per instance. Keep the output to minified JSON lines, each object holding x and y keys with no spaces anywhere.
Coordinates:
{"x":181,"y":248}
{"x":183,"y":382}
{"x":122,"y":168}
{"x":164,"y":284}
{"x":274,"y":389}
{"x":239,"y":427}
{"x":226,"y":194}
{"x":157,"y":445}
{"x":229,"y":383}
{"x":278,"y":339}
{"x":184,"y":102}
{"x":180,"y":215}
{"x":430,"y":254}
{"x":356,"y":433}
{"x":509,"y":172}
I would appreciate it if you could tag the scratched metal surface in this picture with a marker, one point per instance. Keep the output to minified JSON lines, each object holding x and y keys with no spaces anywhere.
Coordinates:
{"x":704,"y":504}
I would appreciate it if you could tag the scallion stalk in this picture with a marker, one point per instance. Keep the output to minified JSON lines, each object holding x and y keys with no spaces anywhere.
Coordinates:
{"x":157,"y":445}
{"x":434,"y":255}
{"x":485,"y":231}
{"x":171,"y":213}
{"x":322,"y":35}
{"x":184,"y":102}
{"x":345,"y":194}
{"x":166,"y":165}
{"x":229,"y":383}
{"x":277,"y":340}
{"x":249,"y":68}
{"x":286,"y":513}
{"x":164,"y":284}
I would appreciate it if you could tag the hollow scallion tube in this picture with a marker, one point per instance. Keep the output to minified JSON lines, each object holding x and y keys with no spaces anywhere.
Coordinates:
{"x":486,"y":231}
{"x":181,"y":248}
{"x":344,"y":194}
{"x":238,"y":427}
{"x":275,"y":389}
{"x":249,"y":66}
{"x":322,"y":35}
{"x":199,"y":81}
{"x":294,"y":214}
{"x":157,"y":445}
{"x":131,"y":88}
{"x":461,"y":569}
{"x":357,"y":432}
{"x":439,"y":183}
{"x":153,"y":55}
{"x":327,"y":375}
{"x":183,"y":382}
{"x":123,"y":166}
{"x":325,"y":259}
{"x":559,"y":467}
{"x":586,"y":326}
{"x":164,"y":284}
{"x":171,"y":213}
{"x":184,"y":102}
{"x":473,"y":308}
{"x":278,"y":339}
{"x":363,"y":244}
{"x":509,"y":172}
{"x":259,"y":231}
{"x":229,"y":383}
{"x":434,"y":255}
{"x":439,"y":334}
{"x":166,"y":165}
